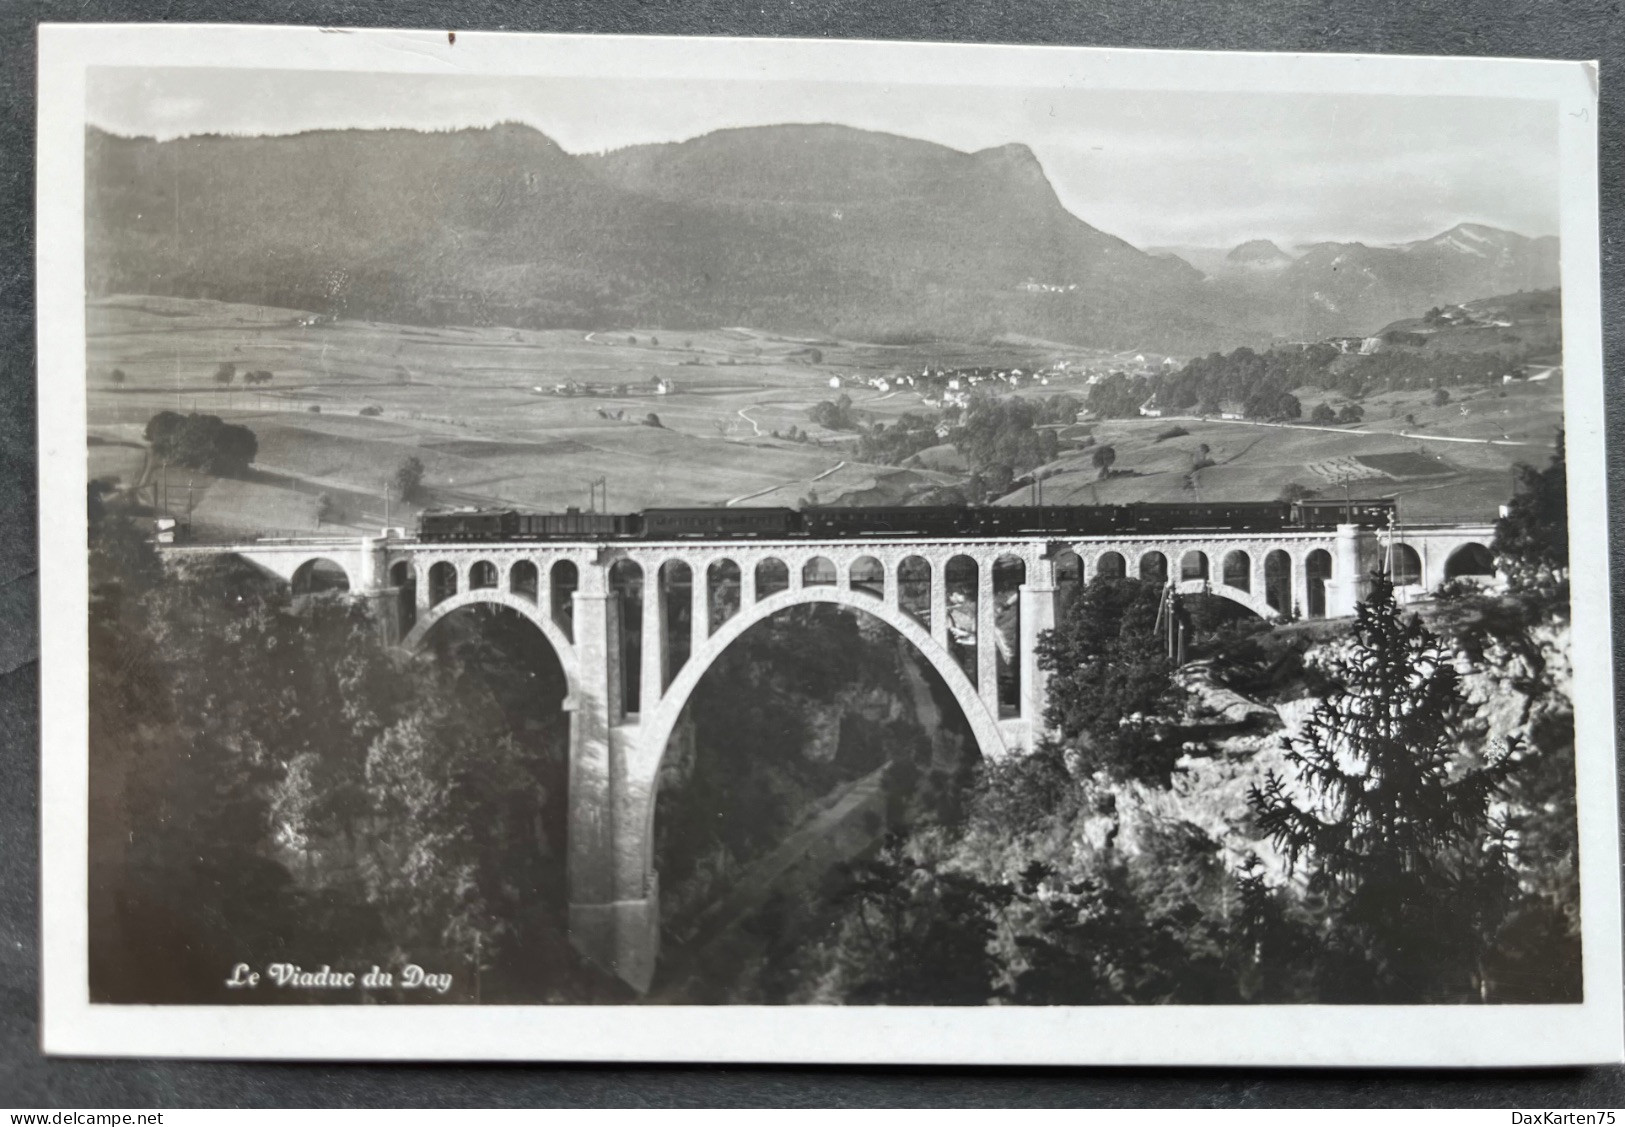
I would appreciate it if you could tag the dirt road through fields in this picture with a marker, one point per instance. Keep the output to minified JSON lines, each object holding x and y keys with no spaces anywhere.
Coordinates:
{"x":1346,"y":430}
{"x":781,"y":485}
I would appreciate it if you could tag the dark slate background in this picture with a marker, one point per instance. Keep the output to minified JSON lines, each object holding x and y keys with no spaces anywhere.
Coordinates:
{"x":1582,"y":29}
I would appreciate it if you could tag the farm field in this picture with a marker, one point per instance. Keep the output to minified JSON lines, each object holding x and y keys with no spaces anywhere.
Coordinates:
{"x":1435,"y":476}
{"x":478,"y":407}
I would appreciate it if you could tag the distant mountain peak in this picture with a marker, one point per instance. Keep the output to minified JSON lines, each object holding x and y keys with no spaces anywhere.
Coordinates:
{"x":1258,"y":252}
{"x":1015,"y":150}
{"x":1480,"y":231}
{"x":1473,"y":239}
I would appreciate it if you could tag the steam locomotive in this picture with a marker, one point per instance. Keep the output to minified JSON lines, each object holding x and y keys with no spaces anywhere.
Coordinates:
{"x":994,"y":522}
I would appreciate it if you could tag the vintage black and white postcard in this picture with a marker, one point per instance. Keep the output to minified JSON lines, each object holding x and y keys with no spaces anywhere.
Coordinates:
{"x":703,"y":549}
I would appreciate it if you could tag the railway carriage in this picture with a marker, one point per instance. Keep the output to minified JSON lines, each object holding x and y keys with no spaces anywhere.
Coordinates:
{"x":469,"y":524}
{"x":723,"y":523}
{"x":475,"y":525}
{"x":839,"y":524}
{"x":572,"y":524}
{"x":1322,"y":514}
{"x":1226,"y":516}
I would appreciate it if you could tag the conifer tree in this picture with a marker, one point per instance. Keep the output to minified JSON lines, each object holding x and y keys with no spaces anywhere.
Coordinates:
{"x":1390,"y":817}
{"x":1110,"y":679}
{"x":1532,"y":541}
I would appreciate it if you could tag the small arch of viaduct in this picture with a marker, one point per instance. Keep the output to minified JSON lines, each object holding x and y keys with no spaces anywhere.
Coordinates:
{"x":497,"y":596}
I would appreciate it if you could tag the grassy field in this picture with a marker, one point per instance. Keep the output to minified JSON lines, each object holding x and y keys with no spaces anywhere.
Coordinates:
{"x":478,"y":407}
{"x":1434,"y":476}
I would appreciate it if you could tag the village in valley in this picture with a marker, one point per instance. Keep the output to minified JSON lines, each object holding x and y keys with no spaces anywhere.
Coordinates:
{"x":738,"y":416}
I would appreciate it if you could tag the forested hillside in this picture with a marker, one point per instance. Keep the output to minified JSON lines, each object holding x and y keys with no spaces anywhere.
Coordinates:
{"x":796,"y":228}
{"x":792,"y":228}
{"x":1470,"y":346}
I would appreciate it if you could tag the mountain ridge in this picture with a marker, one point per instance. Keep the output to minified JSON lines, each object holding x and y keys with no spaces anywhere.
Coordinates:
{"x":815,"y":228}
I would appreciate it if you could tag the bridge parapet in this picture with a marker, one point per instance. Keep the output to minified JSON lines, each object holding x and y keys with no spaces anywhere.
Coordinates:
{"x":360,"y":558}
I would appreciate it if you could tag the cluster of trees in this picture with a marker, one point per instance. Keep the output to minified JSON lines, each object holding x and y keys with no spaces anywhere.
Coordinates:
{"x":837,"y":415}
{"x":1118,"y":396}
{"x":1259,"y":385}
{"x":895,"y":444}
{"x":280,"y":786}
{"x":226,"y":372}
{"x":1062,"y":408}
{"x":1001,"y":439}
{"x":1325,"y":415}
{"x":407,"y":482}
{"x":1110,"y":680}
{"x":202,"y":442}
{"x":1406,"y":370}
{"x":1532,"y":541}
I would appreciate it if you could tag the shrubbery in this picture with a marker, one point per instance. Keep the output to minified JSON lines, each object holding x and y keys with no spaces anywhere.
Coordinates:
{"x":407,"y":482}
{"x":837,"y":415}
{"x":202,"y":442}
{"x":1532,"y":541}
{"x":1110,"y":679}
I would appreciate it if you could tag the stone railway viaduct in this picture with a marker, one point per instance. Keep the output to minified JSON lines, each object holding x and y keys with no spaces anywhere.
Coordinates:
{"x":636,"y":624}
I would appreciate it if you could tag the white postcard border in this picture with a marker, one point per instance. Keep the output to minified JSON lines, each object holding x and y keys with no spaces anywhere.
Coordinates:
{"x":1257,"y":1035}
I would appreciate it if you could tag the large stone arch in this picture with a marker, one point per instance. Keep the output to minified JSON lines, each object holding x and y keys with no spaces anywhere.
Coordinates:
{"x":657,"y":728}
{"x":984,"y":725}
{"x":562,"y":648}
